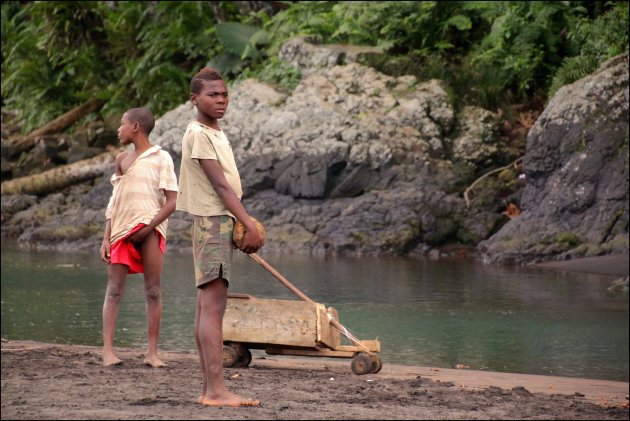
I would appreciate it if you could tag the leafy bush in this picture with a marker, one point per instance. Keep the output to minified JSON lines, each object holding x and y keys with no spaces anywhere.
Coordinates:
{"x":492,"y":53}
{"x":165,"y":43}
{"x":596,"y":40}
{"x":520,"y":52}
{"x":56,"y":55}
{"x":283,"y":76}
{"x":48,"y":59}
{"x":242,"y":48}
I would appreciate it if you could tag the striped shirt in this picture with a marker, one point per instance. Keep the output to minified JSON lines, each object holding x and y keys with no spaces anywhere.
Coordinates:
{"x":139,"y":193}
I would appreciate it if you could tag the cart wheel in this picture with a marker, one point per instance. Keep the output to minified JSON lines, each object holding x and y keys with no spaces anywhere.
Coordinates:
{"x":230,"y":355}
{"x":377,"y":364}
{"x":361,"y":364}
{"x":244,"y":357}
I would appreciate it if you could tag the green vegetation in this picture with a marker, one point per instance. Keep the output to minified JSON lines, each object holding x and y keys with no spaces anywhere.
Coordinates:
{"x":56,"y":55}
{"x":598,"y":40}
{"x":284,"y":77}
{"x":567,"y":239}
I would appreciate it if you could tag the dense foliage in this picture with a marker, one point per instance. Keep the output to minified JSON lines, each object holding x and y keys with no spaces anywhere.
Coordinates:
{"x":57,"y":54}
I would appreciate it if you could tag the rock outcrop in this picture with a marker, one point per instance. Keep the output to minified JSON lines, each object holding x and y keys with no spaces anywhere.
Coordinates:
{"x":355,"y":162}
{"x":352,"y":162}
{"x":575,"y":202}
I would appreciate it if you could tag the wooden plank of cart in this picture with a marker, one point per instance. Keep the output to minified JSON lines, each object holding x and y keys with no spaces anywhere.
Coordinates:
{"x":289,"y":327}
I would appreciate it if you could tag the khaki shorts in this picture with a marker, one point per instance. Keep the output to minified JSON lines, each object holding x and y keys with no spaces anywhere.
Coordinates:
{"x":212,"y":248}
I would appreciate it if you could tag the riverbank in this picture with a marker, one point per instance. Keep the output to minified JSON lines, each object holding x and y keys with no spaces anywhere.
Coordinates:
{"x":51,"y":381}
{"x":612,"y":264}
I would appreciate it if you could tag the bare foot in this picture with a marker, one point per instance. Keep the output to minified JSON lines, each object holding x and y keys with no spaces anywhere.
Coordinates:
{"x":153,"y":361}
{"x":111,"y":359}
{"x":248,"y":402}
{"x":228,"y":399}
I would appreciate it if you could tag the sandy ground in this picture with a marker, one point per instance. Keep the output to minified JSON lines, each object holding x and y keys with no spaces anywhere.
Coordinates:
{"x":614,"y":264}
{"x":49,"y":381}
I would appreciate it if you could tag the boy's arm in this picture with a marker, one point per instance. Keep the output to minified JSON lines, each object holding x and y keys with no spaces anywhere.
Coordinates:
{"x":252,"y":241}
{"x":105,"y":245}
{"x":118,"y":161}
{"x":165,"y":212}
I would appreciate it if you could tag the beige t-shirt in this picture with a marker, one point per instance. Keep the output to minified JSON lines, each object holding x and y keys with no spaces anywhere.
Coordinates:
{"x":196,"y":195}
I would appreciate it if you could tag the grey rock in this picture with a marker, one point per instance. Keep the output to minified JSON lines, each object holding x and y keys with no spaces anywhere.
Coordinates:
{"x":355,"y":162}
{"x":575,"y":202}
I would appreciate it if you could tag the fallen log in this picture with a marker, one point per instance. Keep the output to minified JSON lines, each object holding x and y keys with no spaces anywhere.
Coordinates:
{"x":61,"y":177}
{"x":20,"y":144}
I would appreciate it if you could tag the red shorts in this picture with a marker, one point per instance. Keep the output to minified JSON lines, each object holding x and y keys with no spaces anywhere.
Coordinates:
{"x":124,"y":252}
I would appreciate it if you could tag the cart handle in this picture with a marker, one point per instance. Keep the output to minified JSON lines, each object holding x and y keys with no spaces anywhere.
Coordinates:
{"x":334,"y":322}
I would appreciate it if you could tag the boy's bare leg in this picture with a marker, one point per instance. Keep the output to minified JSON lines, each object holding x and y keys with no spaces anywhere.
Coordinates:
{"x":153,"y":258}
{"x":199,"y":350}
{"x":212,"y":302}
{"x":116,"y":276}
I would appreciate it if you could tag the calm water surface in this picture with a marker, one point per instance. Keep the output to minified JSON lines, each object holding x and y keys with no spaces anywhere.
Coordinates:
{"x":428,"y":313}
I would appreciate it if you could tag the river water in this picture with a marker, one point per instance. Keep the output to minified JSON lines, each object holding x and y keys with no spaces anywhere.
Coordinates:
{"x":424,"y":312}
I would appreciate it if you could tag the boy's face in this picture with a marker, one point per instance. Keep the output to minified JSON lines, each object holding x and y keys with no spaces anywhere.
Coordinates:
{"x":126,"y":130}
{"x":212,"y":99}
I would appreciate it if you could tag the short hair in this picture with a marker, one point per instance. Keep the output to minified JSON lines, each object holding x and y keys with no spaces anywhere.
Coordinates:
{"x":207,"y":73}
{"x":142,"y":116}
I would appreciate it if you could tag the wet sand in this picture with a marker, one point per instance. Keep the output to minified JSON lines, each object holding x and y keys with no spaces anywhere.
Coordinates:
{"x":50,"y":381}
{"x":614,"y":264}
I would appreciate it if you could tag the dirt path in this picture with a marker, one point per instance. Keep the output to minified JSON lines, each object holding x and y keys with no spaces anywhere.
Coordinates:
{"x":47,"y":381}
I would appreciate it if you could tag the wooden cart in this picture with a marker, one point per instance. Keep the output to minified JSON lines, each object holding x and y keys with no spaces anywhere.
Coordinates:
{"x":289,"y":327}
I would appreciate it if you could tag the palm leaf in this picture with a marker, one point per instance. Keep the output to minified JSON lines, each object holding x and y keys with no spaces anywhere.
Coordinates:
{"x":226,"y":62}
{"x":235,"y":36}
{"x":460,"y":22}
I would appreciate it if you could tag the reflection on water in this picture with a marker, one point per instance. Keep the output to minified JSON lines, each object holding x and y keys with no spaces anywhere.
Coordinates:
{"x":429,"y":313}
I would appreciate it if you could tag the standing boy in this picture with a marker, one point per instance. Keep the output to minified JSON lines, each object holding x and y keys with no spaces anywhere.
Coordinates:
{"x":210,"y":189}
{"x":144,"y":196}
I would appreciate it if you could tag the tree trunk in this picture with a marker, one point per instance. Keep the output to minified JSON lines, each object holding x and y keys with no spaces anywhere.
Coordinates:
{"x":61,"y":177}
{"x":219,"y":15}
{"x":60,"y":123}
{"x":271,"y":7}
